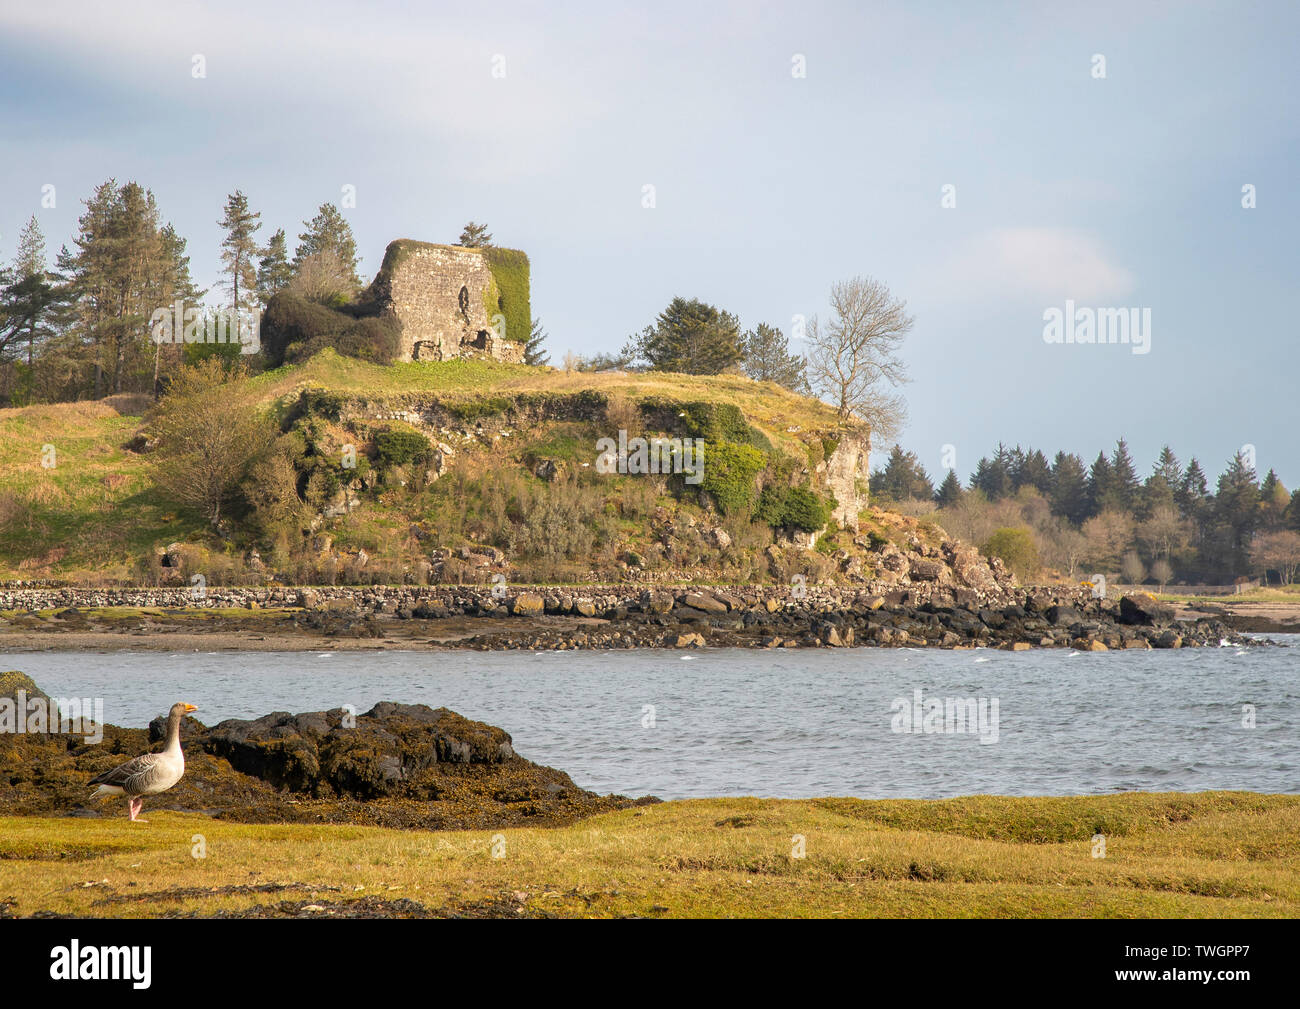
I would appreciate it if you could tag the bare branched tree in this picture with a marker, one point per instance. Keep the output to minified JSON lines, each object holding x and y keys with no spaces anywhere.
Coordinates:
{"x":209,"y":433}
{"x":321,"y":277}
{"x":853,"y":358}
{"x":1278,"y":551}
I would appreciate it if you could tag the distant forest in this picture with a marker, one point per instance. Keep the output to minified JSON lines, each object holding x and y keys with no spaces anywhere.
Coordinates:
{"x":1082,"y":519}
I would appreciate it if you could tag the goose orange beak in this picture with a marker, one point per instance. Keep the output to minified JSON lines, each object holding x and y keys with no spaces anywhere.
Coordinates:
{"x":189,"y":708}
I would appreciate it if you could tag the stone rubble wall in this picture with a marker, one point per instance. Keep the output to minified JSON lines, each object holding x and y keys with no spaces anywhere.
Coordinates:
{"x":389,"y":598}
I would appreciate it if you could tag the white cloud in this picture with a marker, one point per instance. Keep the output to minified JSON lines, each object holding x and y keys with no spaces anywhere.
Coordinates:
{"x":1043,"y":265}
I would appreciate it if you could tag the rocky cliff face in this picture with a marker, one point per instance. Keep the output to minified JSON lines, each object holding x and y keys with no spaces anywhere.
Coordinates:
{"x":847,"y":476}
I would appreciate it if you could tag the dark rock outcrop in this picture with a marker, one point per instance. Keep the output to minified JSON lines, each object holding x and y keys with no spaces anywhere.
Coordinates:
{"x":1144,"y":609}
{"x":397,"y":765}
{"x":391,"y":750}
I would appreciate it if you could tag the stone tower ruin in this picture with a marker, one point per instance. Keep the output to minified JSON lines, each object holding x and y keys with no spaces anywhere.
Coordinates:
{"x":451,"y":301}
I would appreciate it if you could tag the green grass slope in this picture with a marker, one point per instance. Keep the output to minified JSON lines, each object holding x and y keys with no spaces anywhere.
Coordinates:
{"x":94,"y":515}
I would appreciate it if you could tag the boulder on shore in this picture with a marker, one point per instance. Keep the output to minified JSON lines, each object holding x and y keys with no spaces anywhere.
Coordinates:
{"x":1144,"y":609}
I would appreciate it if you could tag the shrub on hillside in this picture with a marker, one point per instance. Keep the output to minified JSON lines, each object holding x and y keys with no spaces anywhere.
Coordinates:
{"x":713,"y":422}
{"x":729,"y":474}
{"x":372,"y":339}
{"x":793,"y":508}
{"x":209,"y":433}
{"x":293,"y":329}
{"x":1016,"y":548}
{"x":805,"y":510}
{"x":396,"y":447}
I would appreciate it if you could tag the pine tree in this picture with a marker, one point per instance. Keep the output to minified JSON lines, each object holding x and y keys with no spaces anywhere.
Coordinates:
{"x":173,"y":279}
{"x":1274,"y":499}
{"x":991,"y":475}
{"x":1101,"y":486}
{"x":1033,"y":470}
{"x":533,"y":352}
{"x":1168,"y":468}
{"x":239,"y":247}
{"x":475,"y":236}
{"x":903,"y":478}
{"x":171,"y":284}
{"x":273,"y":270}
{"x":1161,"y":487}
{"x":1236,"y":513}
{"x":1014,"y":462}
{"x":140,"y":249}
{"x":1069,"y":489}
{"x":1123,"y":476}
{"x":768,"y":359}
{"x":1194,"y":490}
{"x":690,"y":337}
{"x":329,"y":232}
{"x":112,"y":280}
{"x":91,"y":276}
{"x":26,"y":296}
{"x":30,"y":260}
{"x":1156,"y":493}
{"x":950,"y":491}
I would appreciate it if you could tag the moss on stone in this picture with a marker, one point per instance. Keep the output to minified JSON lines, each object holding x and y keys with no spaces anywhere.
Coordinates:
{"x":13,"y":681}
{"x":510,"y":274}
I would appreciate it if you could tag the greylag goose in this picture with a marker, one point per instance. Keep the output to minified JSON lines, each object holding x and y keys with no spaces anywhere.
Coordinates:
{"x":149,"y":773}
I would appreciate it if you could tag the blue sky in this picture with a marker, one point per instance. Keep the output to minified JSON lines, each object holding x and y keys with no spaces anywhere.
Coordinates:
{"x":1122,"y":191}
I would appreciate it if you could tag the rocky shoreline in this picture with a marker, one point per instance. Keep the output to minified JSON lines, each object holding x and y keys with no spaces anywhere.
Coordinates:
{"x":929,"y":614}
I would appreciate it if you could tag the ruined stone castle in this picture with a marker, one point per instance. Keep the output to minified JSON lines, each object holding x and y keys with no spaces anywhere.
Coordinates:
{"x":450,"y":301}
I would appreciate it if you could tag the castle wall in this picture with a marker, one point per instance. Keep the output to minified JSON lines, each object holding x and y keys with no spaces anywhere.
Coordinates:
{"x":437,"y":294}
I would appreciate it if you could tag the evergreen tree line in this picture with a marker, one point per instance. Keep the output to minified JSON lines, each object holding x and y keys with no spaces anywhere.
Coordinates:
{"x":1105,"y":517}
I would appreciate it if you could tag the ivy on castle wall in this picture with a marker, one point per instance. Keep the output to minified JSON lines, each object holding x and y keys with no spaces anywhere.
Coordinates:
{"x":510,"y":276}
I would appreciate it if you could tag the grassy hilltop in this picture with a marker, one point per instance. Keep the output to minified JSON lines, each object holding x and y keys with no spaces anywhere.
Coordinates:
{"x":507,"y":463}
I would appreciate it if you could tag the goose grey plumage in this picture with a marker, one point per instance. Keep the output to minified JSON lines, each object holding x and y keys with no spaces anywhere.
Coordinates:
{"x":149,"y":773}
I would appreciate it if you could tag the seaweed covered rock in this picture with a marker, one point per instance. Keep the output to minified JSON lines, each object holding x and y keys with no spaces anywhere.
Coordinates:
{"x":390,"y":750}
{"x":13,"y":682}
{"x":397,"y":765}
